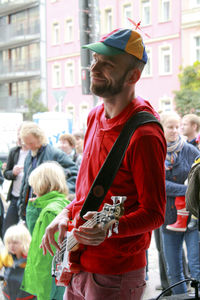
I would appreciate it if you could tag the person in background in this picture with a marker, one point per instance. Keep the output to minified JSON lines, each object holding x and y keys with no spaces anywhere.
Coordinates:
{"x":39,"y":151}
{"x":67,"y":144}
{"x":14,"y":172}
{"x":79,"y":137}
{"x":51,"y":192}
{"x":114,"y":266}
{"x":180,"y":157}
{"x":13,"y":258}
{"x":190,"y":128}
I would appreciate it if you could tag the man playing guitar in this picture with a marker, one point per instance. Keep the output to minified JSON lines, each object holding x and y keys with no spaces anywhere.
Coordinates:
{"x":113,"y":266}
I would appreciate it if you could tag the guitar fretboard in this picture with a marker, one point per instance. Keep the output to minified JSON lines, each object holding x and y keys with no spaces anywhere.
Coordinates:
{"x":70,"y":241}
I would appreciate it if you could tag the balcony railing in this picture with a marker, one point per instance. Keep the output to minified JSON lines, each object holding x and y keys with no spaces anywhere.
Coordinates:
{"x":17,"y":34}
{"x":11,"y":6}
{"x":10,"y":67}
{"x":18,"y":71}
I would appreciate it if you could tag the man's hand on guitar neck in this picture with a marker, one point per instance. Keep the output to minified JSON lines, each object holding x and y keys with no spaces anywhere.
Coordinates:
{"x":58,"y":224}
{"x":90,"y":235}
{"x":86,"y":235}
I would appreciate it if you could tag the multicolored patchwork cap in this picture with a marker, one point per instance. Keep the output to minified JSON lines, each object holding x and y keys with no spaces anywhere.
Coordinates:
{"x":118,"y":42}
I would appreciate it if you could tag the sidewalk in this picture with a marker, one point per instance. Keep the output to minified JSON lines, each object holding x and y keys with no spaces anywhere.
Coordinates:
{"x":154,"y":277}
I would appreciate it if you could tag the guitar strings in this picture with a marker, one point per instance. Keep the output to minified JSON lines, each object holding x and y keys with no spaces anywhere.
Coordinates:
{"x":71,"y":241}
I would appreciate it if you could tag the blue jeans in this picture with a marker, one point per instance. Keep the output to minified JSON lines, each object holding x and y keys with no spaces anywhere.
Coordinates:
{"x":173,"y":248}
{"x":12,"y":217}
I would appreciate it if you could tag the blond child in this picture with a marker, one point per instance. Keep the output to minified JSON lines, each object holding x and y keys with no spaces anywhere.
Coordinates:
{"x":49,"y":185}
{"x":13,"y":258}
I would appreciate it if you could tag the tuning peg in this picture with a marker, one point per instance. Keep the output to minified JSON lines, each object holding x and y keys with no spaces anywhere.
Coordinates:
{"x":114,"y":199}
{"x":119,"y":199}
{"x":122,"y":199}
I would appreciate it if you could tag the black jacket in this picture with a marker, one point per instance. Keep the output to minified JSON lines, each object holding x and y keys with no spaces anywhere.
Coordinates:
{"x":13,"y":157}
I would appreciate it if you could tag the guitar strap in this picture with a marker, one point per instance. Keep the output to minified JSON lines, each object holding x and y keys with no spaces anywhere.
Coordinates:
{"x":113,"y":161}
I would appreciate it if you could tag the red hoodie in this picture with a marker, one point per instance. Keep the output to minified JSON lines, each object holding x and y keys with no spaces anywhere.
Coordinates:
{"x":141,"y":178}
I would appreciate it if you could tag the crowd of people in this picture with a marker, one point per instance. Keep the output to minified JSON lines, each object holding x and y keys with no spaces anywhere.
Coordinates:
{"x":42,"y":178}
{"x":49,"y":186}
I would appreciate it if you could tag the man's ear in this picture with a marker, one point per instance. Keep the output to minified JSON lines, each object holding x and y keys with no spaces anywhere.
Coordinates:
{"x":134,"y":76}
{"x":194,"y":127}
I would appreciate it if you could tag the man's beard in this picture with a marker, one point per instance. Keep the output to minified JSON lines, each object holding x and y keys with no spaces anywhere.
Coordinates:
{"x":107,"y":90}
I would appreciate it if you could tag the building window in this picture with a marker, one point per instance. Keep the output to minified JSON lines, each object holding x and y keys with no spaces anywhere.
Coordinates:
{"x":56,"y":76}
{"x":147,"y":72}
{"x":165,"y":104}
{"x":165,"y":10}
{"x":56,"y":33}
{"x":20,"y":59}
{"x":69,"y":36}
{"x":146,"y":12}
{"x":165,"y":60}
{"x":69,"y":73}
{"x":21,"y":90}
{"x":108,"y":20}
{"x":127,"y":13}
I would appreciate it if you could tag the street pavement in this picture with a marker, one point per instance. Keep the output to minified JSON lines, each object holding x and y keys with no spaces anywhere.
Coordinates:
{"x":153,"y":273}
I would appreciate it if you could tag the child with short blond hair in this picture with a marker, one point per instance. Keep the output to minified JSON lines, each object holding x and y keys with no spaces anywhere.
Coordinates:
{"x":49,"y":186}
{"x":17,"y":240}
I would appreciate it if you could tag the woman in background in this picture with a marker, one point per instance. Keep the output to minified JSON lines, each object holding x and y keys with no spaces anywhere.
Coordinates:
{"x":179,"y":159}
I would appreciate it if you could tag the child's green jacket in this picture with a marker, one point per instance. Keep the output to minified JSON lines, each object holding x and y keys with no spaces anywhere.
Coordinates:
{"x":37,"y":278}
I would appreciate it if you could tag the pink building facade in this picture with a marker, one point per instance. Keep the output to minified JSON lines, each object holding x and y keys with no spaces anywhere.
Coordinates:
{"x":160,"y":19}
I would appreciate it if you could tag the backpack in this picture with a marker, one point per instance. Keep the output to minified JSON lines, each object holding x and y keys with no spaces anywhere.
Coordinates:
{"x":192,"y":196}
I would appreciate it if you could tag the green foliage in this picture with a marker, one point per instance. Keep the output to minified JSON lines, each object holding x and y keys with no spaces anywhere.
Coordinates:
{"x":34,"y":105}
{"x":188,"y":98}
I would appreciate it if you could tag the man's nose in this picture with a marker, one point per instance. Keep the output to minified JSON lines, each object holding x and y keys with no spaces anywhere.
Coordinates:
{"x":95,"y":66}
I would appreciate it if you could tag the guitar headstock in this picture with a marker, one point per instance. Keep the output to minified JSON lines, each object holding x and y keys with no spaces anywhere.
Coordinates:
{"x":111,"y":213}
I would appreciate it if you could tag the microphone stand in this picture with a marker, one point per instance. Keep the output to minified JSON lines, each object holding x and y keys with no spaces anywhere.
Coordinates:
{"x":194,"y":284}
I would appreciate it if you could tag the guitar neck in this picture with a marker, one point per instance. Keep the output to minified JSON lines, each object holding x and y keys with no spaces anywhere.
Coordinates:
{"x":71,"y":241}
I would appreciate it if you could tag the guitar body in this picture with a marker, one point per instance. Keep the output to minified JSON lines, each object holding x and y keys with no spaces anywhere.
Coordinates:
{"x":66,"y":262}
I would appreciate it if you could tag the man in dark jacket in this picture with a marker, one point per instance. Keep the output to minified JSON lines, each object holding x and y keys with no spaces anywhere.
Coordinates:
{"x":39,"y":151}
